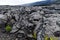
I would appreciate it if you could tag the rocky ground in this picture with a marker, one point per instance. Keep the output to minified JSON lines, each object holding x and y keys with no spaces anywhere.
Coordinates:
{"x":25,"y":21}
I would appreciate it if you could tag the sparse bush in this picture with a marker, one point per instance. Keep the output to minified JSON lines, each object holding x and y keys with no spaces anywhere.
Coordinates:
{"x":8,"y":28}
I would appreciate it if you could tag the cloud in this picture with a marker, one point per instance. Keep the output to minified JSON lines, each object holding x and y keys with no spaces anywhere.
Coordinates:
{"x":16,"y":2}
{"x":9,"y":2}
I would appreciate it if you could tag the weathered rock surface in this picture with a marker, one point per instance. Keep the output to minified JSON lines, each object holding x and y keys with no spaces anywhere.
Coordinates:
{"x":27,"y":20}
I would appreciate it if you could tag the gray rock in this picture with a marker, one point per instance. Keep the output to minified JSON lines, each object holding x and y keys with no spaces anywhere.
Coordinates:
{"x":4,"y":17}
{"x":58,"y":23}
{"x":18,"y":25}
{"x":36,"y":15}
{"x":12,"y":21}
{"x":14,"y":29}
{"x":57,"y":7}
{"x":16,"y":16}
{"x":51,"y":20}
{"x":2,"y":23}
{"x":27,"y":9}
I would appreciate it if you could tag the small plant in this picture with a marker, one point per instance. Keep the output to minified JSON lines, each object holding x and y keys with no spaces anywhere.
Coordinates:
{"x":8,"y":28}
{"x":34,"y":35}
{"x":50,"y":38}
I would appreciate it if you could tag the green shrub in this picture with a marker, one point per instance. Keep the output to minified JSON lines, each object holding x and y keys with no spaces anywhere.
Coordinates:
{"x":8,"y":28}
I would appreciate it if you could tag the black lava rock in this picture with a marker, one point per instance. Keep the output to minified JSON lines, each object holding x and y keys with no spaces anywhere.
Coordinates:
{"x":57,"y":34}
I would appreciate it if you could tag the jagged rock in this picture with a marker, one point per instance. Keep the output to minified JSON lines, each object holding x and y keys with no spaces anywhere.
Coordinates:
{"x":35,"y":17}
{"x":57,"y":34}
{"x":27,"y":9}
{"x":18,"y":25}
{"x":2,"y":24}
{"x":14,"y":29}
{"x":4,"y":17}
{"x":58,"y":23}
{"x":16,"y":16}
{"x":57,"y":7}
{"x":30,"y":19}
{"x":21,"y":36}
{"x":12,"y":21}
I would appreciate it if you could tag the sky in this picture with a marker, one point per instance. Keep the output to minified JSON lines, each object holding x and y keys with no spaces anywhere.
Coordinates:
{"x":16,"y":2}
